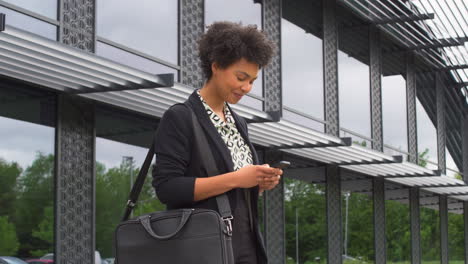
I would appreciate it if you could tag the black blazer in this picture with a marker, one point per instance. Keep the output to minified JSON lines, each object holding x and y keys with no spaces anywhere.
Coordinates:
{"x":178,"y":162}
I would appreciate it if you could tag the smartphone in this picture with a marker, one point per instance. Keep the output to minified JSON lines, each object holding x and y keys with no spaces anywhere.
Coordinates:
{"x":282,"y":164}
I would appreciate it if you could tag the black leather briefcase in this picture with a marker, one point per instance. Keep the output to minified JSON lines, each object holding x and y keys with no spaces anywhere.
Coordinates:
{"x":175,"y":236}
{"x":181,"y":236}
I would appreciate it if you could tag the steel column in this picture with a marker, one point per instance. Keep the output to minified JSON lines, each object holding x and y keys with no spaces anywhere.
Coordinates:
{"x":465,"y":225}
{"x":443,"y":214}
{"x":191,"y":25}
{"x":334,"y":228}
{"x":332,"y":127}
{"x":330,"y":67}
{"x":271,"y":17}
{"x":375,"y":72}
{"x":376,"y":87}
{"x":415,"y":226}
{"x":74,"y":181}
{"x":411,"y":108}
{"x":275,"y":217}
{"x":464,"y":133}
{"x":380,"y":250}
{"x":441,"y":132}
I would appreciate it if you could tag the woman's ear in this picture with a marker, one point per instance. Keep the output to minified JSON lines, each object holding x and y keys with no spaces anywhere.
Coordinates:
{"x":214,"y":67}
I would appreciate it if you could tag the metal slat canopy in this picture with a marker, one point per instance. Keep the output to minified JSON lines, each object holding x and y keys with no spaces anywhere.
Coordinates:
{"x":55,"y":65}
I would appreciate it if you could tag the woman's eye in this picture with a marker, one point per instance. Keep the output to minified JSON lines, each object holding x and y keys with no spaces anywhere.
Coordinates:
{"x":240,"y":79}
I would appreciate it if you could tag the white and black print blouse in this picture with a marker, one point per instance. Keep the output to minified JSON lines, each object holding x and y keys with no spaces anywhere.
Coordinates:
{"x":240,"y":151}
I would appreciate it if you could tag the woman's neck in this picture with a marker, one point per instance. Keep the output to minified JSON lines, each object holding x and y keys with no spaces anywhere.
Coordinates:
{"x":211,"y":97}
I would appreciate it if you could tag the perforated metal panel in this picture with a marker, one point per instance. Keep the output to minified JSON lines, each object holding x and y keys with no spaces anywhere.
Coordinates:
{"x":272,"y":73}
{"x":379,"y":221}
{"x":441,"y":133}
{"x":465,"y":225}
{"x":464,"y":133}
{"x":443,"y":214}
{"x":330,"y":67}
{"x":415,"y":226}
{"x":77,"y":27}
{"x":275,"y":218}
{"x":75,"y":199}
{"x":334,"y":229}
{"x":411,"y":108}
{"x":191,"y":28}
{"x":376,"y":88}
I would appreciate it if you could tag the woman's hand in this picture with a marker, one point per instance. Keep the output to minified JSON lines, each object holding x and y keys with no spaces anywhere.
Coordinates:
{"x":253,"y":175}
{"x":269,"y":183}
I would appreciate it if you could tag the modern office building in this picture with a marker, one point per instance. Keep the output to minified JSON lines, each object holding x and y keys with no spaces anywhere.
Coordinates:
{"x":364,"y":97}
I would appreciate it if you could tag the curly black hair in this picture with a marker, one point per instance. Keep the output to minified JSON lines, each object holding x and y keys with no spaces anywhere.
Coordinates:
{"x":227,"y":42}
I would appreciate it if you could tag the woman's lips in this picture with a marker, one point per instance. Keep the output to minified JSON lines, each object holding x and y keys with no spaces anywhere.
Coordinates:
{"x":238,"y":96}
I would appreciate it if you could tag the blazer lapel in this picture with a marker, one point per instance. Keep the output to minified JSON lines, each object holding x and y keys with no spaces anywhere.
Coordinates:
{"x":210,"y":129}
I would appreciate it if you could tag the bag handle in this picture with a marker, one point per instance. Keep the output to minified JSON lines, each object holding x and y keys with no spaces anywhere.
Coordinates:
{"x":209,"y":163}
{"x":145,"y":221}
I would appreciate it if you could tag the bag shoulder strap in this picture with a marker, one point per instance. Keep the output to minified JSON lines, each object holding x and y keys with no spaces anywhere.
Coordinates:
{"x":208,"y":161}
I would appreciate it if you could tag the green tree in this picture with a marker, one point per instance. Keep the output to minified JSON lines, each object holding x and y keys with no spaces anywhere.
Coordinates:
{"x":9,"y":173}
{"x":8,"y":241}
{"x":112,"y":190}
{"x":35,"y":193}
{"x":45,"y":232}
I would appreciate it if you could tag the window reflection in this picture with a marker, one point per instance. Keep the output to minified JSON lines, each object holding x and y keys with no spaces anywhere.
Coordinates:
{"x":30,"y":24}
{"x":354,"y":94}
{"x":427,"y":137}
{"x":132,"y":60}
{"x":27,"y":138}
{"x":46,"y":8}
{"x":305,"y":223}
{"x":245,"y":11}
{"x":121,"y":146}
{"x":302,"y":70}
{"x":397,"y":229}
{"x":151,"y":29}
{"x":394,"y":113}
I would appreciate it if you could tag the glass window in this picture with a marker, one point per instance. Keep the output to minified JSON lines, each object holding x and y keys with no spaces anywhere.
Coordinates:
{"x":122,"y":142}
{"x":358,"y":226}
{"x":245,"y":11}
{"x":456,"y":238}
{"x":427,"y":138}
{"x":27,"y":139}
{"x":305,"y":219}
{"x":46,"y":8}
{"x":149,"y":26}
{"x":397,"y":229}
{"x":302,"y":71}
{"x":452,"y":170}
{"x":430,"y":233}
{"x":354,"y":96}
{"x":132,"y":60}
{"x":394,"y":114}
{"x":30,"y":24}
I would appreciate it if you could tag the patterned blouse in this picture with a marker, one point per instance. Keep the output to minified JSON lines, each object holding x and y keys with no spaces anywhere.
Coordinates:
{"x":240,"y":151}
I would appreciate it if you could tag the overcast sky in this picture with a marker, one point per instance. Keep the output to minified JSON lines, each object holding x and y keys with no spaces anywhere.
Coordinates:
{"x":157,"y":36}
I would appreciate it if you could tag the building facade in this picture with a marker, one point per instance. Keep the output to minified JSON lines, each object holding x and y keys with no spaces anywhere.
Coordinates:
{"x":361,"y":97}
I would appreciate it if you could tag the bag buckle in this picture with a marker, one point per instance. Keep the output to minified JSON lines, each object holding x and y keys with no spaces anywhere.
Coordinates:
{"x":228,"y":222}
{"x":130,"y":204}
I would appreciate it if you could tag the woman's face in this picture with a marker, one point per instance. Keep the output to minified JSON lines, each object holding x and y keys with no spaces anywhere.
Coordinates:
{"x":235,"y":81}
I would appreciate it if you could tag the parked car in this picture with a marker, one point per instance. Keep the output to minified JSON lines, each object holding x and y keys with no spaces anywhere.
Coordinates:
{"x":11,"y":260}
{"x":40,"y":261}
{"x":97,"y":257}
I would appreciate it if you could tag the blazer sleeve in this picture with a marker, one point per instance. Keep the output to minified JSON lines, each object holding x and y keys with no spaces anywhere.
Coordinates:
{"x":173,"y":148}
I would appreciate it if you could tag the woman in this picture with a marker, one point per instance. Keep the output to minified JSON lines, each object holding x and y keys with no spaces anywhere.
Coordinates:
{"x":231,"y":56}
